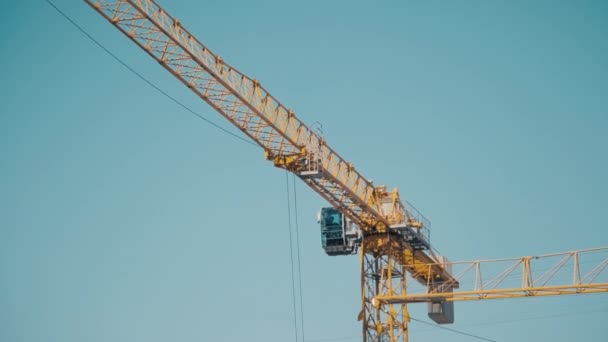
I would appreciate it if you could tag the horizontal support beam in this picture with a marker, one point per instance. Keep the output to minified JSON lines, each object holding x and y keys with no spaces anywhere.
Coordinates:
{"x":493,"y":294}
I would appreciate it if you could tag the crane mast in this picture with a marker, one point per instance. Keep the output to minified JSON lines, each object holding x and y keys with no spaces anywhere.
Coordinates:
{"x":391,"y":236}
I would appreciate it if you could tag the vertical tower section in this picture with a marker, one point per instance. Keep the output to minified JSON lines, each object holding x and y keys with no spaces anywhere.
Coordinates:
{"x":383,"y":273}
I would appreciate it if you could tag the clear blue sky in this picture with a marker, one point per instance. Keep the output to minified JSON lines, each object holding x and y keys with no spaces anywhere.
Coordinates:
{"x":124,"y":218}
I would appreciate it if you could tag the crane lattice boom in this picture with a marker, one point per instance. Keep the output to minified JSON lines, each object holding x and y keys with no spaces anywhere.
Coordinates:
{"x":286,"y":140}
{"x":575,"y":272}
{"x":392,"y":235}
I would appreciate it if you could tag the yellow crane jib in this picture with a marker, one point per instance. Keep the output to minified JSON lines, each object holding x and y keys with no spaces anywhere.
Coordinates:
{"x":391,"y":236}
{"x":566,"y":273}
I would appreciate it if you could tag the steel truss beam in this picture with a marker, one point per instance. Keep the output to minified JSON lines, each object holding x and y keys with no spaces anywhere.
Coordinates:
{"x":243,"y":101}
{"x":292,"y":145}
{"x":575,"y":272}
{"x":382,"y":274}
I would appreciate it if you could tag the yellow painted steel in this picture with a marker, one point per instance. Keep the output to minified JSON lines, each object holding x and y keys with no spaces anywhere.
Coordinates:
{"x":546,"y":275}
{"x":383,"y":274}
{"x":285,"y":139}
{"x":292,"y":145}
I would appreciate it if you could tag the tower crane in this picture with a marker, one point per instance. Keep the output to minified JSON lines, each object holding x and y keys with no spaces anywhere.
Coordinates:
{"x":390,"y":235}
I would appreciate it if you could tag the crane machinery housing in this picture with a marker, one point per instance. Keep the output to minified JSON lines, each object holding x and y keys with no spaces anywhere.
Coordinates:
{"x":390,"y":235}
